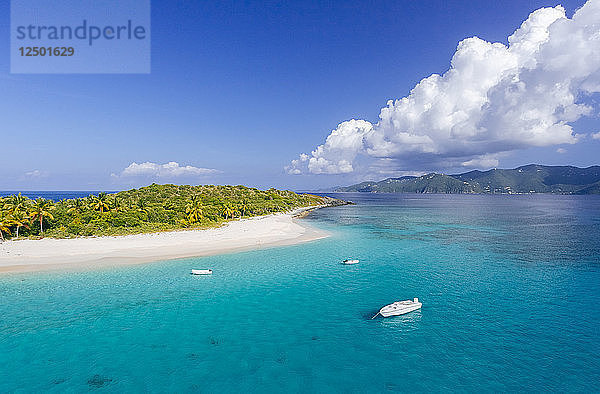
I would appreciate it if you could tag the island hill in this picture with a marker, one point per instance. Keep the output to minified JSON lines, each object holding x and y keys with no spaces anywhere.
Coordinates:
{"x":149,"y":209}
{"x":531,"y":178}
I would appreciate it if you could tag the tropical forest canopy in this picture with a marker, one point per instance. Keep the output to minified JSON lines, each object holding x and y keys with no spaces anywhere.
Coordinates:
{"x":148,"y":209}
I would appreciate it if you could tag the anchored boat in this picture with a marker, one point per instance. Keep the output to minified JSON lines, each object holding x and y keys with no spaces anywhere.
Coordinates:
{"x":349,"y":262}
{"x":399,"y":308}
{"x":201,"y":272}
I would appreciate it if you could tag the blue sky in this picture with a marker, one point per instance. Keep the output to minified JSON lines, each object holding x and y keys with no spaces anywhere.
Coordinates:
{"x":243,"y":88}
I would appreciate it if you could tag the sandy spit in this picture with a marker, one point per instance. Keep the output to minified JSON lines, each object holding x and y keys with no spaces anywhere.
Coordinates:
{"x":88,"y":253}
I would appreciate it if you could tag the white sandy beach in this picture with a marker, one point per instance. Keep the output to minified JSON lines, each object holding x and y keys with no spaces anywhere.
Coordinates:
{"x":85,"y":253}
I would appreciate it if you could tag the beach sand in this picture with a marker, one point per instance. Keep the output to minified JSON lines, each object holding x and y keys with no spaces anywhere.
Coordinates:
{"x":88,"y":253}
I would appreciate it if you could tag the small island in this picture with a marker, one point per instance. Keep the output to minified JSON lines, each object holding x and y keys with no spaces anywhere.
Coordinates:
{"x":154,"y":208}
{"x":153,"y":223}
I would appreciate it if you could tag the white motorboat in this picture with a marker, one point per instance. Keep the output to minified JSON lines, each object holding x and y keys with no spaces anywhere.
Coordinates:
{"x":201,"y":272}
{"x":399,"y":308}
{"x":349,"y":262}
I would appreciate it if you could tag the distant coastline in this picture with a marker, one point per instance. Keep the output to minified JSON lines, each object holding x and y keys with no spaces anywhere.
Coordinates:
{"x":527,"y":179}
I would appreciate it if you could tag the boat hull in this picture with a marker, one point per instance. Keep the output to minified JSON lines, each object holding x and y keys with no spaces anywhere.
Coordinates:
{"x":399,"y":308}
{"x":201,"y":272}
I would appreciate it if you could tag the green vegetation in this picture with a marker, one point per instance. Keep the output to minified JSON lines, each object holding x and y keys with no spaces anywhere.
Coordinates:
{"x":526,"y":179}
{"x":148,"y":209}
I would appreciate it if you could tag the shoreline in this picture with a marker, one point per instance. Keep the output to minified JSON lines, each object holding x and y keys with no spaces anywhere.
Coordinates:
{"x":50,"y":254}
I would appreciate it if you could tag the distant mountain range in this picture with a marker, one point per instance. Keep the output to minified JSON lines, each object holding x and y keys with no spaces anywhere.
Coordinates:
{"x":531,"y":178}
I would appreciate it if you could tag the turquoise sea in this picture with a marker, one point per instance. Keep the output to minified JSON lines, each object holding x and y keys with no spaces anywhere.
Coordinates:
{"x":510,"y":287}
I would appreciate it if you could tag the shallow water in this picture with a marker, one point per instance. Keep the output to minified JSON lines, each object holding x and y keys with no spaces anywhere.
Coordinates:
{"x":509,"y":285}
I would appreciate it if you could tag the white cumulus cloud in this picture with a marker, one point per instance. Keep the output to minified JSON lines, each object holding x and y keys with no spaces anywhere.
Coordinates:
{"x":596,"y":136}
{"x":171,"y":169}
{"x":338,"y":152}
{"x":495,"y":98}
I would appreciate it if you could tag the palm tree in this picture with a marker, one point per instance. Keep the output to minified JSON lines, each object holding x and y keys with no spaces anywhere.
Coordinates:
{"x":88,"y":200}
{"x":20,"y":219}
{"x":16,"y":202}
{"x":244,"y":207}
{"x":41,"y":208}
{"x":116,"y":204}
{"x":5,"y":223}
{"x":16,"y":207}
{"x":100,"y":202}
{"x":227,"y":211}
{"x":76,"y":206}
{"x":194,"y":210}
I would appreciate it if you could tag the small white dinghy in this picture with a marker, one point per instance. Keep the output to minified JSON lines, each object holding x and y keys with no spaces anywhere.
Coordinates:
{"x":349,"y":262}
{"x":201,"y":272}
{"x":399,"y":308}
